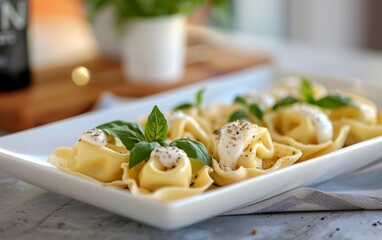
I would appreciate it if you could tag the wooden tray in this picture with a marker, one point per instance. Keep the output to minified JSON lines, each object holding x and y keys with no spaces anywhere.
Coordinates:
{"x":53,"y":95}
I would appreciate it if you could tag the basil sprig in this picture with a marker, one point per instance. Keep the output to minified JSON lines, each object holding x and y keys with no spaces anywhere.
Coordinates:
{"x":197,"y":104}
{"x":194,"y":149}
{"x":330,"y":101}
{"x":156,"y":126}
{"x":335,"y":101}
{"x":288,"y":100}
{"x":129,"y":133}
{"x":142,"y":141}
{"x":238,"y":115}
{"x":254,"y":108}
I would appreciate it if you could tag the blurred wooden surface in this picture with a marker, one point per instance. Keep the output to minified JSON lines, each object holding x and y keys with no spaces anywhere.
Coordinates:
{"x":53,"y":96}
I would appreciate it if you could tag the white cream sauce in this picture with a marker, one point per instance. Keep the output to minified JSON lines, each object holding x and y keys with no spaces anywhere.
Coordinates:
{"x":232,"y":139}
{"x":94,"y":136}
{"x":168,"y":156}
{"x":324,"y":127}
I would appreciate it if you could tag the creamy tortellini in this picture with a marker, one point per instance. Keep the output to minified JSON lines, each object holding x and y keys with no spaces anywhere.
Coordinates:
{"x":363,"y":119}
{"x":166,"y":176}
{"x":244,"y":150}
{"x":199,"y":147}
{"x":307,"y":128}
{"x":291,"y":86}
{"x":182,"y":125}
{"x":95,"y":154}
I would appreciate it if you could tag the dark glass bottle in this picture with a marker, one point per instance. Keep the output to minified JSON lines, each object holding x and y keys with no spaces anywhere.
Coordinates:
{"x":14,"y":63}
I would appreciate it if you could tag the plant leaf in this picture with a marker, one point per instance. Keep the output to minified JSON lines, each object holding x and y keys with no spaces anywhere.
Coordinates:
{"x":128,"y":133}
{"x":257,"y":110}
{"x":240,"y":100}
{"x":156,"y":126}
{"x":289,"y":100}
{"x":141,"y":152}
{"x":335,"y":101}
{"x":183,"y":106}
{"x":238,"y":115}
{"x":199,"y":97}
{"x":306,"y":90}
{"x":194,"y":149}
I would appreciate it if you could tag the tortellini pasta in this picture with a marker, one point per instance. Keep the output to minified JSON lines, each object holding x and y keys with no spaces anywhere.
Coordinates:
{"x":182,"y":125}
{"x":95,"y":155}
{"x":166,"y":176}
{"x":277,"y":132}
{"x":217,"y":114}
{"x":363,"y":119}
{"x":292,"y":86}
{"x":307,"y":128}
{"x":244,"y":150}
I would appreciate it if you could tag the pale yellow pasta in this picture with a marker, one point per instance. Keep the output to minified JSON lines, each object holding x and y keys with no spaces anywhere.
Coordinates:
{"x":365,"y":111}
{"x":266,"y":100}
{"x":153,"y":180}
{"x":218,"y":114}
{"x":185,"y":126}
{"x":102,"y":163}
{"x":283,"y":156}
{"x":360,"y":131}
{"x":292,"y":86}
{"x":307,"y":128}
{"x":363,"y":119}
{"x":244,"y":150}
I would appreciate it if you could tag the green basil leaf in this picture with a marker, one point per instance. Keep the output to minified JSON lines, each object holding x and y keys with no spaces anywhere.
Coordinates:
{"x":306,"y":90}
{"x":257,"y":110}
{"x":156,"y":126}
{"x":240,"y":100}
{"x":194,"y":149}
{"x":128,"y":133}
{"x":335,"y":101}
{"x":163,"y":143}
{"x":199,"y":97}
{"x":289,"y":100}
{"x":141,"y":152}
{"x":238,"y":115}
{"x":183,"y":106}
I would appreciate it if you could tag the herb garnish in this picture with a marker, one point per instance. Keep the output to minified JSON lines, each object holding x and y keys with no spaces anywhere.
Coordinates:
{"x":142,"y":141}
{"x":197,"y":104}
{"x":330,"y":101}
{"x":253,"y":108}
{"x":288,"y":100}
{"x":238,"y":115}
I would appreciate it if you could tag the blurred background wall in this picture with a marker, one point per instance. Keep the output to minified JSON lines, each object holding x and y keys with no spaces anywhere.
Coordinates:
{"x":339,"y":23}
{"x":353,"y":24}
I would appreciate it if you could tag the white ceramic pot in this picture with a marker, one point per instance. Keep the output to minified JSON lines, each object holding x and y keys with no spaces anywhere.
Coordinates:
{"x":105,"y":33}
{"x":153,"y":49}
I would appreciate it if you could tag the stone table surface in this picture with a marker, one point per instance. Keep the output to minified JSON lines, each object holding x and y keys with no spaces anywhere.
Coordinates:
{"x":29,"y":212}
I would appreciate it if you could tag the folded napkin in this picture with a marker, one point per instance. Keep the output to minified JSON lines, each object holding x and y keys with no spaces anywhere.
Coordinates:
{"x":361,"y":189}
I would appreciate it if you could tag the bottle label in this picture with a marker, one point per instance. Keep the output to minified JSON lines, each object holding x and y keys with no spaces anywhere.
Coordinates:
{"x":13,"y":40}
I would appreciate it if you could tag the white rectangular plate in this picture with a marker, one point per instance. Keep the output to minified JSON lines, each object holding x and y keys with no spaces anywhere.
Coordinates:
{"x":24,"y":155}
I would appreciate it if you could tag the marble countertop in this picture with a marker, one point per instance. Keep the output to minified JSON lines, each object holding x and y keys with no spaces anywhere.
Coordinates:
{"x":29,"y":212}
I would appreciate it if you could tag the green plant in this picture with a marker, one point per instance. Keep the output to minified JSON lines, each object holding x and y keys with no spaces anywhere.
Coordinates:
{"x":130,"y":9}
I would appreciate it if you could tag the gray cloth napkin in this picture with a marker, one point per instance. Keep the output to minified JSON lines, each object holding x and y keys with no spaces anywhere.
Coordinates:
{"x":361,"y":189}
